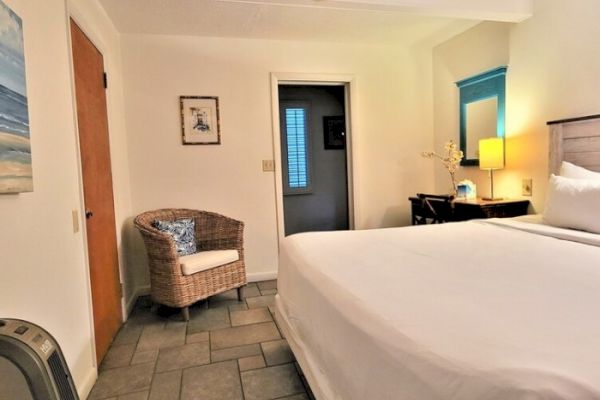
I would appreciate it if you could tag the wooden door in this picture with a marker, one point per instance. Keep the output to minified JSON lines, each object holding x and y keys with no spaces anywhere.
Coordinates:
{"x":92,"y":119}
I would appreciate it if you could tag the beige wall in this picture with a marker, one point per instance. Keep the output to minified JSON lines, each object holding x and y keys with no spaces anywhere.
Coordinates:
{"x":44,"y":275}
{"x":477,"y":50}
{"x":554,"y":65}
{"x":392,"y":112}
{"x":43,"y":268}
{"x":552,"y":74}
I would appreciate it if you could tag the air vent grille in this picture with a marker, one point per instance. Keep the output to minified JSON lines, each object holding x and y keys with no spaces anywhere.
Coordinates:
{"x":60,"y":377}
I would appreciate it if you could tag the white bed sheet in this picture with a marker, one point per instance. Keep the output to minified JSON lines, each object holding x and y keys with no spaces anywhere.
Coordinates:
{"x":495,"y":309}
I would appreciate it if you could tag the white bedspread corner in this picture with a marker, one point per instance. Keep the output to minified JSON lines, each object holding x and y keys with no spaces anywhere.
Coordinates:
{"x":482,"y":310}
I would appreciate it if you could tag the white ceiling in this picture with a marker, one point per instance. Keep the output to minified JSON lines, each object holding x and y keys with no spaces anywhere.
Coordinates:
{"x":359,"y":21}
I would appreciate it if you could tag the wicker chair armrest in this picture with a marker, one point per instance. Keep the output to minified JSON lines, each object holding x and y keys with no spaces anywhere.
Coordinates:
{"x":160,"y":245}
{"x":216,"y":232}
{"x":213,"y":231}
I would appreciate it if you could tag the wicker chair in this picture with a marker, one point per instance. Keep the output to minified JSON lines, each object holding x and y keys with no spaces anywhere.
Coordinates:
{"x":169,"y":286}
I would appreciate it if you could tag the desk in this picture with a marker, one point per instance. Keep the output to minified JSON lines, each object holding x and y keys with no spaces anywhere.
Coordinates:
{"x":477,"y":208}
{"x":440,"y":209}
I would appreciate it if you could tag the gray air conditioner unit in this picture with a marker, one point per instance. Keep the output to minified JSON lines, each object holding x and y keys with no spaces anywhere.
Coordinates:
{"x":32,"y":366}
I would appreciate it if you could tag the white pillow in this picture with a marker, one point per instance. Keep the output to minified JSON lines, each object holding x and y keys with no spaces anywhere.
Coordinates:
{"x":569,"y":170}
{"x":573,"y":203}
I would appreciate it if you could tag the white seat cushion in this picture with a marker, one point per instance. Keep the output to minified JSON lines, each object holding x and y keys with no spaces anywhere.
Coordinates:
{"x":204,"y":260}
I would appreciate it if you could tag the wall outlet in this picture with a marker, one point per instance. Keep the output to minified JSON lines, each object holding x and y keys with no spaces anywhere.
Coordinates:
{"x":268,"y":165}
{"x":527,"y":187}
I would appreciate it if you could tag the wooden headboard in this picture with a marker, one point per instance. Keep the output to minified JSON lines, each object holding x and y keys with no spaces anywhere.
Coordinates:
{"x":576,"y":140}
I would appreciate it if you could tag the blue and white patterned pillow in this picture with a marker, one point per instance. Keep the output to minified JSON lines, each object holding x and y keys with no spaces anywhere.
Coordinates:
{"x":183,"y":233}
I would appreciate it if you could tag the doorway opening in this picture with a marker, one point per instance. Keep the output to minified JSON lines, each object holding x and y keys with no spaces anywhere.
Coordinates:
{"x":312,"y":126}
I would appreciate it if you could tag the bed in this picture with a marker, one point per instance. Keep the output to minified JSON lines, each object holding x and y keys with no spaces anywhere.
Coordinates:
{"x":481,"y":310}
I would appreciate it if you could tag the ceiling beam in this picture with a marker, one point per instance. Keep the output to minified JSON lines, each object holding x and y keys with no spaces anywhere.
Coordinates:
{"x":489,"y":10}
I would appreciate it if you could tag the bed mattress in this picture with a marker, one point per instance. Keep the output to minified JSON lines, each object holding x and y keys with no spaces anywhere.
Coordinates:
{"x":479,"y":310}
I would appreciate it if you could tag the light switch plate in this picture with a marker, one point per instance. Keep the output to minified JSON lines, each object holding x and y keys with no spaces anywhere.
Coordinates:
{"x":75,"y":216}
{"x":527,"y":187}
{"x":268,"y":165}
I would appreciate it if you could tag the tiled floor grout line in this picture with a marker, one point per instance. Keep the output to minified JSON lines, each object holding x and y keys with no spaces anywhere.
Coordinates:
{"x":187,"y":328}
{"x":277,"y":326}
{"x":150,"y":324}
{"x":237,"y":362}
{"x":289,"y":395}
{"x":180,"y":386}
{"x":155,"y":363}
{"x":126,"y":393}
{"x":209,"y":348}
{"x":262,"y":353}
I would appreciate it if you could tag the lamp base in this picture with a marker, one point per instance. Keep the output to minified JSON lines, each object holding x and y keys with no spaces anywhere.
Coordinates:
{"x":492,"y":198}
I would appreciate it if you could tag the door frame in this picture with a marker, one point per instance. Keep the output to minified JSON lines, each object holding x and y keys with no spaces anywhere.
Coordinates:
{"x":348,"y":81}
{"x":74,"y":13}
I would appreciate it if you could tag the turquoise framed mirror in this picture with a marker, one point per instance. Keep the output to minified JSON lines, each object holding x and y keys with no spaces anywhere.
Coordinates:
{"x":482,"y":111}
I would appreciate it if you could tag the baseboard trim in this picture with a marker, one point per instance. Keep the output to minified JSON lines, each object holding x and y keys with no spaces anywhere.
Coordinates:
{"x":140,"y":291}
{"x":261,"y":276}
{"x":145,"y":290}
{"x":87,"y":384}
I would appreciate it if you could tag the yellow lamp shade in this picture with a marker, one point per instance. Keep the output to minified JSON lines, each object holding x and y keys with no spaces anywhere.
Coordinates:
{"x":491,"y":153}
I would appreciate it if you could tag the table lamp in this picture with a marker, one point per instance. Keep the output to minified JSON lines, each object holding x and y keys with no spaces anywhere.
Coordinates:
{"x":491,"y":157}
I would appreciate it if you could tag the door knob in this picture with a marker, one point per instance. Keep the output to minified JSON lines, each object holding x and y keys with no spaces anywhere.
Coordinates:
{"x":88,"y":214}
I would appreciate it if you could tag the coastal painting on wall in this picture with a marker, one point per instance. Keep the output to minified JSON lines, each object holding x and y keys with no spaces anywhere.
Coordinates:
{"x":15,"y":148}
{"x":200,"y":120}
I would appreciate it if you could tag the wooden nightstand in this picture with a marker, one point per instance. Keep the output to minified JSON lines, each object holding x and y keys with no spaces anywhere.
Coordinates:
{"x":439,"y":209}
{"x":477,"y":208}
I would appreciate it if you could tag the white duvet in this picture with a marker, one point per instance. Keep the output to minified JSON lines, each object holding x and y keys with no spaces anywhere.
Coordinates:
{"x":481,"y":310}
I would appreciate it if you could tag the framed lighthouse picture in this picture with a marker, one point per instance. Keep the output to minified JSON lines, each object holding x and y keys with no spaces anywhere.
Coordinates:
{"x":200,"y":120}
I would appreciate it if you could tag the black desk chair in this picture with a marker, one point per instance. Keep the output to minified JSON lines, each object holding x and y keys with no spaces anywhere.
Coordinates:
{"x":431,"y":209}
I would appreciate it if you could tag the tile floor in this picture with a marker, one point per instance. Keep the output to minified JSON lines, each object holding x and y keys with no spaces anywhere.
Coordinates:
{"x":229,"y":351}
